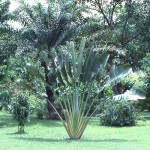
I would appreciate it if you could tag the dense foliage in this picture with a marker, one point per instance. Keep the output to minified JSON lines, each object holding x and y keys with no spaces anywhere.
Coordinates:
{"x":65,"y":80}
{"x":7,"y":34}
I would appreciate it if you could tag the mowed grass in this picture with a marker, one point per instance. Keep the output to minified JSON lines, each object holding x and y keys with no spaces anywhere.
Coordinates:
{"x":50,"y":135}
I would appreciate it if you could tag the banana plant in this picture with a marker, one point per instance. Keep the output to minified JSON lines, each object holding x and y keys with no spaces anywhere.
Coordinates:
{"x":80,"y":76}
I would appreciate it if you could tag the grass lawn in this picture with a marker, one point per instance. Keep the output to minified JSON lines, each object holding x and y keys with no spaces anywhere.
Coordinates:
{"x":50,"y":135}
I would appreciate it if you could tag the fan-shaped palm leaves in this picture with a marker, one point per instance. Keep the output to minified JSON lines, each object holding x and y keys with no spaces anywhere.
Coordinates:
{"x":80,"y":76}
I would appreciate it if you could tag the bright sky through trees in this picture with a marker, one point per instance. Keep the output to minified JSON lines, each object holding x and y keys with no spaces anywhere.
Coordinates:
{"x":14,"y":3}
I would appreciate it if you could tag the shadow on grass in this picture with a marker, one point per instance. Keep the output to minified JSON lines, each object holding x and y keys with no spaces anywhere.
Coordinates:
{"x":17,"y":133}
{"x":69,"y":140}
{"x":46,"y":123}
{"x":146,"y":118}
{"x":7,"y":121}
{"x":3,"y":124}
{"x":145,"y":115}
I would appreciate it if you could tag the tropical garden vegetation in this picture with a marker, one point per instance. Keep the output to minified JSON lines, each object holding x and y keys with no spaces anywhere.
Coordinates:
{"x":77,"y":62}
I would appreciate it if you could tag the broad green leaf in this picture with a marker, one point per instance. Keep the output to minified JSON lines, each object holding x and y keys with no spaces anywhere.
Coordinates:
{"x":74,"y":60}
{"x":103,"y":60}
{"x":80,"y":58}
{"x":33,"y":70}
{"x":87,"y":74}
{"x":117,"y":75}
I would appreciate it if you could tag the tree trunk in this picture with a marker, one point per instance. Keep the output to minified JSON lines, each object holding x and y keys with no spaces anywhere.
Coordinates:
{"x":20,"y":128}
{"x":50,"y":95}
{"x":50,"y":99}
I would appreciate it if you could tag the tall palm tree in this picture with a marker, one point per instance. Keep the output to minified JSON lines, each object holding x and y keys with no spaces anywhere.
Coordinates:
{"x":45,"y":28}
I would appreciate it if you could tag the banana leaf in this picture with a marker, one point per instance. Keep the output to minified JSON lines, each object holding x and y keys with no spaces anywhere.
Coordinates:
{"x":132,"y":94}
{"x":117,"y":75}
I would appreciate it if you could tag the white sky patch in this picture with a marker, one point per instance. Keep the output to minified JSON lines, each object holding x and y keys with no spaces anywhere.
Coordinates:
{"x":14,"y":4}
{"x":15,"y":24}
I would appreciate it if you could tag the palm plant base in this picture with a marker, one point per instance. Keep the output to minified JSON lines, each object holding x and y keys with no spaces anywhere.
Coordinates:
{"x":75,"y":126}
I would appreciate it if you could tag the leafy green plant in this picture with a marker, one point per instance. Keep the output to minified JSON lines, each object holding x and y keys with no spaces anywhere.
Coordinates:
{"x":21,"y":110}
{"x":80,"y":78}
{"x":118,"y":113}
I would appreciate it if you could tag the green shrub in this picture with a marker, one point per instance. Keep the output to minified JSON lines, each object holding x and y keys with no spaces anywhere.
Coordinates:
{"x":21,"y":110}
{"x":118,"y":113}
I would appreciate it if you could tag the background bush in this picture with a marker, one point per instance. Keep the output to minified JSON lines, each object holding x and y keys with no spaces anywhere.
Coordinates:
{"x":4,"y":99}
{"x":38,"y":107}
{"x":143,"y":105}
{"x":118,"y":113}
